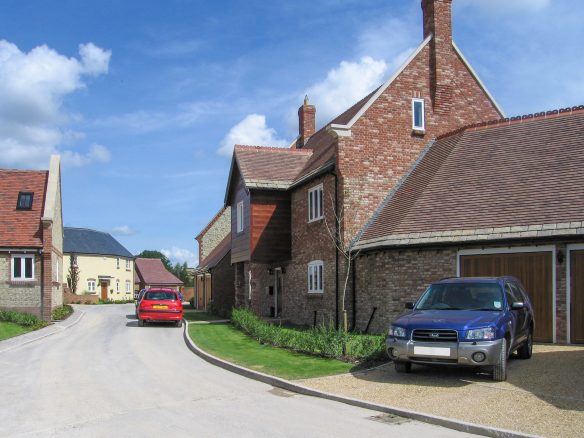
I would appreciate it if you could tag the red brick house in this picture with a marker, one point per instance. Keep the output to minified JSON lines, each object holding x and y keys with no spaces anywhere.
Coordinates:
{"x":152,"y":273}
{"x":503,"y":198}
{"x":286,"y":264}
{"x":214,"y":277}
{"x":31,"y":240}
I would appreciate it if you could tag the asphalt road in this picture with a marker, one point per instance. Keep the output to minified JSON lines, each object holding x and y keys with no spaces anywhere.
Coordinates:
{"x":107,"y":377}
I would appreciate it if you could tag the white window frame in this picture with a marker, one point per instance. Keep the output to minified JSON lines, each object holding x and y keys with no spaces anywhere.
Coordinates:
{"x":316,"y":207}
{"x":414,"y":126}
{"x":128,"y":264}
{"x":91,"y":286}
{"x":315,"y":277}
{"x":240,"y":216}
{"x":117,"y":263}
{"x":118,"y":286}
{"x":22,"y":267}
{"x":128,"y":286}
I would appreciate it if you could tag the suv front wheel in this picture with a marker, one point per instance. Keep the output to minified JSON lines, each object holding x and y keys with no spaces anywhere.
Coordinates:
{"x":526,"y":349}
{"x":500,"y":369}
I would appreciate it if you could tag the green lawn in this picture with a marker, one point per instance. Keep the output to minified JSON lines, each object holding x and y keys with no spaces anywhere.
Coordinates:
{"x":224,"y":341}
{"x":195,"y":315}
{"x":9,"y":329}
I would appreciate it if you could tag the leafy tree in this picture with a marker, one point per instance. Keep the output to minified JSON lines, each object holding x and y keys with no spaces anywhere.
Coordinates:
{"x":73,"y":275}
{"x":153,"y":254}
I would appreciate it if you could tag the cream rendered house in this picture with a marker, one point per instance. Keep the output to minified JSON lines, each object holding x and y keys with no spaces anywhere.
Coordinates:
{"x":106,"y":268}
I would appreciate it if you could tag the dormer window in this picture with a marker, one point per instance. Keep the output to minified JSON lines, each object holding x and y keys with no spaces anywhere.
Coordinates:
{"x":24,"y":201}
{"x":418,"y":116}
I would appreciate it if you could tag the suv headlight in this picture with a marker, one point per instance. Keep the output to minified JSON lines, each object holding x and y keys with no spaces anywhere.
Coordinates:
{"x":482,"y":334}
{"x":398,"y":332}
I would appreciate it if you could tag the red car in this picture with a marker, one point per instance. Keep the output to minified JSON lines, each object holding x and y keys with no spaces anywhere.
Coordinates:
{"x":160,"y":305}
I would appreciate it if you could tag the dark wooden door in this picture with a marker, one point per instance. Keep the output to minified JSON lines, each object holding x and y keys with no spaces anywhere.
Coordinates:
{"x":577,"y":297}
{"x":533,"y":269}
{"x":104,"y":291}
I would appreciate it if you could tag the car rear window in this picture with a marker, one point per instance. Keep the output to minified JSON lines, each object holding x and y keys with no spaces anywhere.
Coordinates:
{"x":160,"y":296}
{"x":462,"y":296}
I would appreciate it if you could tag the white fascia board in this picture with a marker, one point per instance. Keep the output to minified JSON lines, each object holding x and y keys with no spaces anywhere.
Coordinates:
{"x":338,"y":130}
{"x":388,"y":83}
{"x":476,"y":77}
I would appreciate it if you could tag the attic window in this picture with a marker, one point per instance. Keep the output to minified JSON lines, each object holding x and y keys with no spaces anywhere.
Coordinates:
{"x":24,"y":201}
{"x":418,"y":116}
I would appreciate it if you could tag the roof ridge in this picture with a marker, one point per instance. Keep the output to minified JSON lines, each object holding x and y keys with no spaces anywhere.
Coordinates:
{"x":211,"y":222}
{"x":272,"y":149}
{"x":542,"y":115}
{"x":87,"y":229}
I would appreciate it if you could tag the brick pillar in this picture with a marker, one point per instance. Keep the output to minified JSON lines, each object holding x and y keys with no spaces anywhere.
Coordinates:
{"x":47,"y":271}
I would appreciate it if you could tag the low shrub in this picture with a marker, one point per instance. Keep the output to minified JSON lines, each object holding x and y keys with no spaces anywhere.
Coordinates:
{"x":62,"y":312}
{"x":322,"y":340}
{"x":23,"y":319}
{"x":110,"y":301}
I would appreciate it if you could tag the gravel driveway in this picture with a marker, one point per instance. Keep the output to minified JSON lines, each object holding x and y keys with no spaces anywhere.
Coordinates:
{"x":542,"y":396}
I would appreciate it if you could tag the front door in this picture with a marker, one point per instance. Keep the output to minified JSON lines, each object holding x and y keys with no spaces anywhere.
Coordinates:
{"x":104,"y":291}
{"x":577,"y":297}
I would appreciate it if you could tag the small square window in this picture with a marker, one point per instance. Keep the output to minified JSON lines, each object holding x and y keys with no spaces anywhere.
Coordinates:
{"x":24,"y":201}
{"x":23,"y":267}
{"x":418,"y":116}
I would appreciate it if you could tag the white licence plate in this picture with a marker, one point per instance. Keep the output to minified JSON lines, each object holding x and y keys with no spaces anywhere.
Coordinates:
{"x":432,"y":351}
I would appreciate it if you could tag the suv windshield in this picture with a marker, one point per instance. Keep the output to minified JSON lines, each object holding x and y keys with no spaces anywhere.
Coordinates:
{"x":159,"y":296}
{"x":462,"y":296}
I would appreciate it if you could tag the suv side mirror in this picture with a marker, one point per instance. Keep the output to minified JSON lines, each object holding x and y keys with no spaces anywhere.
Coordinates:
{"x":409,"y":305}
{"x":517,"y":305}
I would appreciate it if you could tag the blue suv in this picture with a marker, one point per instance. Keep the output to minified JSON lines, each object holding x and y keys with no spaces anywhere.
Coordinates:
{"x":475,"y":322}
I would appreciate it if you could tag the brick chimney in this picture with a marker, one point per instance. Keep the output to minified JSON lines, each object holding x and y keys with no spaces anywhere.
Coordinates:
{"x":438,"y":22}
{"x":306,"y":122}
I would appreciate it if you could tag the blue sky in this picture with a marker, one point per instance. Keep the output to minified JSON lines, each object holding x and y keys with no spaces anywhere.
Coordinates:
{"x":144,"y":99}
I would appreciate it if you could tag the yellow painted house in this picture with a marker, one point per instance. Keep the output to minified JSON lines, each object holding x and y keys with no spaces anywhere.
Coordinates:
{"x":106,"y":268}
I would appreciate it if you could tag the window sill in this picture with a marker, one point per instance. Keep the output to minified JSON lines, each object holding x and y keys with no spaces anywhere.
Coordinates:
{"x":315,"y":294}
{"x":311,"y":221}
{"x":417,"y":131}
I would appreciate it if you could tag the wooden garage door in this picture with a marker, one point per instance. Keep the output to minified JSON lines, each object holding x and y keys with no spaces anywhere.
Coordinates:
{"x":533,"y":269}
{"x":577,"y":297}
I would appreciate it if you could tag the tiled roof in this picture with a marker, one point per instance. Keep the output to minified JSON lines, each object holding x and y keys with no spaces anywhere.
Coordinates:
{"x":152,"y":271}
{"x":21,"y":228}
{"x":516,"y":178}
{"x":216,"y":255}
{"x":270,"y":167}
{"x":86,"y":241}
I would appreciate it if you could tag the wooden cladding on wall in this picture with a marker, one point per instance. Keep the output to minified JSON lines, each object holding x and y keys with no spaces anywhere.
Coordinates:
{"x":240,"y":242}
{"x":270,"y":226}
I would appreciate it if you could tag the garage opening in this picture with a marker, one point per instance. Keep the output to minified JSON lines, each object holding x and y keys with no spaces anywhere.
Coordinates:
{"x":533,"y":269}
{"x":577,"y":297}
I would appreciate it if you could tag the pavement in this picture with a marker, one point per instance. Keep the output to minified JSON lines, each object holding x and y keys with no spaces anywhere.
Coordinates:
{"x":99,"y":374}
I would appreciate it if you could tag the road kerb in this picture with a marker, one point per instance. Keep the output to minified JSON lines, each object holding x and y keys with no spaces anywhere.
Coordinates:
{"x":37,"y":335}
{"x":460,"y":426}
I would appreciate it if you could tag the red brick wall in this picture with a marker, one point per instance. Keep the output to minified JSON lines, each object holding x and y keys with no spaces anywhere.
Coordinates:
{"x":383,"y":147}
{"x":310,"y":241}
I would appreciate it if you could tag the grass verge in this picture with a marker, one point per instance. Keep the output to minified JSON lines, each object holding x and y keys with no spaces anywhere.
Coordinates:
{"x":10,"y":329}
{"x":192,"y":315}
{"x":228,"y":343}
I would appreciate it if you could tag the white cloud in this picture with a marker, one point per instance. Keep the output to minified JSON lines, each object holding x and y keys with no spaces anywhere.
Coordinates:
{"x":252,"y":130}
{"x":97,"y":153}
{"x":33,"y":86}
{"x":181,"y":255}
{"x":122,"y":230}
{"x":345,"y":85}
{"x":504,"y":6}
